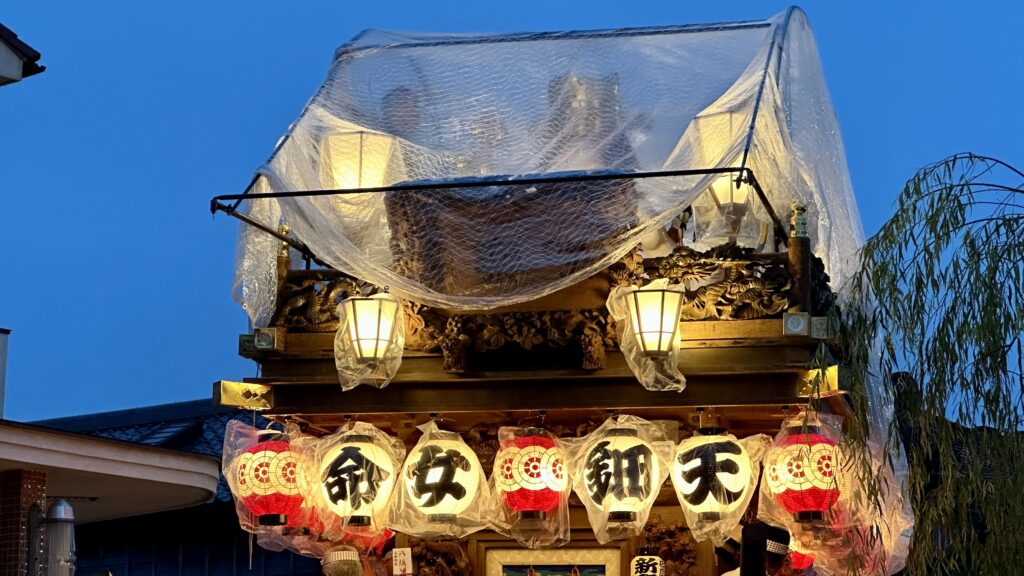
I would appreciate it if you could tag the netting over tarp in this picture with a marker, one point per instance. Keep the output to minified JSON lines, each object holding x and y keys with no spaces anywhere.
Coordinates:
{"x":420,"y":108}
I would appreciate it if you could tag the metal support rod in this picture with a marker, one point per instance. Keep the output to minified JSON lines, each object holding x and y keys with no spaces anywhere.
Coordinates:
{"x":442,"y":185}
{"x":778,"y":37}
{"x":781,"y":237}
{"x":217,"y":204}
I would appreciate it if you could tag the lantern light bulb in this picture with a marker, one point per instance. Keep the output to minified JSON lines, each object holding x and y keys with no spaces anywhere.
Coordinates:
{"x":727,"y":192}
{"x":356,"y":159}
{"x":371,"y":326}
{"x":654,"y":314}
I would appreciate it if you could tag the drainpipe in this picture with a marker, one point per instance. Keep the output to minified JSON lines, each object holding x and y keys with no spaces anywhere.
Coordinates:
{"x":4,"y":333}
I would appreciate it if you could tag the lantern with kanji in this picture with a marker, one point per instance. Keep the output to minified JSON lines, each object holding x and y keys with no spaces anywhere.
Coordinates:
{"x":711,"y":475}
{"x":802,"y":471}
{"x":715,"y":476}
{"x":265,"y":480}
{"x":443,"y":490}
{"x":357,"y":472}
{"x":529,"y":472}
{"x":442,"y":476}
{"x":619,"y":470}
{"x":621,"y":474}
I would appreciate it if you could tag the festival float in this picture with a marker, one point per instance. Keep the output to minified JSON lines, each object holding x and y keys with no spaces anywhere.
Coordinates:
{"x":540,"y":301}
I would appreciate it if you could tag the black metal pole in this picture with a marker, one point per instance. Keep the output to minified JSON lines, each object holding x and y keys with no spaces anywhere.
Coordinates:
{"x":217,"y":204}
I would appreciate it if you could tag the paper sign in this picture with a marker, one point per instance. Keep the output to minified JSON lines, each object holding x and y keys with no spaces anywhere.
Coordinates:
{"x":401,"y":561}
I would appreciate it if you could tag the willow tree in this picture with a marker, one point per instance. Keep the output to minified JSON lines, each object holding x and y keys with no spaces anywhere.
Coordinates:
{"x":936,"y":314}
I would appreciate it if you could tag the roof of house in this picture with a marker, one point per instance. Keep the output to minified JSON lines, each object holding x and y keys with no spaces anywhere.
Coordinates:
{"x":30,"y":56}
{"x":195,"y":426}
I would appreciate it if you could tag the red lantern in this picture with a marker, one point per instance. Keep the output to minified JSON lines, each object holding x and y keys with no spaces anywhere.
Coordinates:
{"x":530,"y":474}
{"x":266,"y":477}
{"x":801,"y":471}
{"x":800,"y":561}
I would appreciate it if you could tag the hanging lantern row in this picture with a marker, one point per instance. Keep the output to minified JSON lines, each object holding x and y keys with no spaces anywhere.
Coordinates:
{"x":358,"y":483}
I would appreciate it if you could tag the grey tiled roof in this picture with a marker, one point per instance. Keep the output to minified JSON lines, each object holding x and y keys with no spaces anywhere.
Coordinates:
{"x":196,"y":426}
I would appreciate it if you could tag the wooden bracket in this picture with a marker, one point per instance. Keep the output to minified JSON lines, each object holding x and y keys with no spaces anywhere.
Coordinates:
{"x":243,"y":395}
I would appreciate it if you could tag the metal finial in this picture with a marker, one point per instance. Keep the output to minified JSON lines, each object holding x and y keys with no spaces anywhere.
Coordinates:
{"x":798,"y":220}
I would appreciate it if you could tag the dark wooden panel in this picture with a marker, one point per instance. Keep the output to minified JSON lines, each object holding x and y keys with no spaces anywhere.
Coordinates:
{"x":531,"y":394}
{"x":427,"y":368}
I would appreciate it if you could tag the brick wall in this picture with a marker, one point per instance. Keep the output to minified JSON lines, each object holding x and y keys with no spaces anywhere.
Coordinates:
{"x":19,"y":490}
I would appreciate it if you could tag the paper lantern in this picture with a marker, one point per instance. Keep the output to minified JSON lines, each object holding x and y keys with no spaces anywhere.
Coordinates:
{"x":356,"y":159}
{"x":266,"y":480}
{"x":802,"y":473}
{"x":442,"y":478}
{"x":530,"y":474}
{"x":654,"y":318}
{"x":646,"y":564}
{"x":621,"y":474}
{"x":800,"y":561}
{"x":731,"y":199}
{"x":711,"y":475}
{"x":370,"y":328}
{"x":356,"y":478}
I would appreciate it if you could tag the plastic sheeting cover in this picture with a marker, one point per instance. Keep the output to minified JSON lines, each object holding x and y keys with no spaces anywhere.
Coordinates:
{"x":398,"y":108}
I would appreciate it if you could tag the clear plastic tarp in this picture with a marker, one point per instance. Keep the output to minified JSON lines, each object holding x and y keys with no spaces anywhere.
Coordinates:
{"x":452,"y":112}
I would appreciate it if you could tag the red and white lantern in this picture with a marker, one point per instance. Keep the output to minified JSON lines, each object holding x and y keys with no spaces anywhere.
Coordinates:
{"x":802,"y":473}
{"x":530,"y":474}
{"x":266,"y":481}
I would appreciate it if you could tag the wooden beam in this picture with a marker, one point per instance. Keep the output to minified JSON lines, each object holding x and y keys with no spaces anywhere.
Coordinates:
{"x":427,"y":368}
{"x":693,"y":334}
{"x":313,"y":398}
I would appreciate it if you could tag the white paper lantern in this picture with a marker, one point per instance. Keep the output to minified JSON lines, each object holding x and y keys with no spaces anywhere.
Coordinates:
{"x":356,"y":159}
{"x":442,"y":478}
{"x":711,"y":475}
{"x":356,"y":478}
{"x":621,"y":474}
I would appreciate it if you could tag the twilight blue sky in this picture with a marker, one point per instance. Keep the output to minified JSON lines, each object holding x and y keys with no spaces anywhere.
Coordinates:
{"x":116,"y":281}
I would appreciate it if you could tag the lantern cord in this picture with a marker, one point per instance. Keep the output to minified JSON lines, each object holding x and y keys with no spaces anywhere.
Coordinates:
{"x":308,"y":424}
{"x":539,"y":417}
{"x":437,"y":418}
{"x":251,"y":537}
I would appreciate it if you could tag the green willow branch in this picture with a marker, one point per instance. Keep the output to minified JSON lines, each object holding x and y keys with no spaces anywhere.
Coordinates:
{"x":933,"y":322}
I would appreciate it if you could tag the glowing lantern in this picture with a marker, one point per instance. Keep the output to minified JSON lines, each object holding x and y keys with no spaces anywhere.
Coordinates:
{"x":356,"y":479}
{"x":442,"y":478}
{"x":801,"y":473}
{"x":712,"y":476}
{"x":266,"y":480}
{"x":530,"y":474}
{"x":369,"y":326}
{"x":621,"y":474}
{"x":654,"y":317}
{"x":356,"y":159}
{"x":731,"y":198}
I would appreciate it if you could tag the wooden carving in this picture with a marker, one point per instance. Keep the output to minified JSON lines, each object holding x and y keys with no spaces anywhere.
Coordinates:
{"x":673,"y":543}
{"x":727,"y":282}
{"x":308,"y":299}
{"x":440,"y":557}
